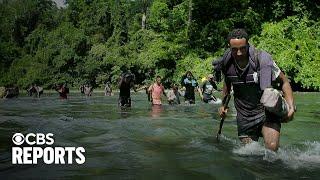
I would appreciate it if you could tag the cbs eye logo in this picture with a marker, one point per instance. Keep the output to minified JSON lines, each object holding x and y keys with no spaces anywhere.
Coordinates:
{"x":18,"y":139}
{"x":33,"y":139}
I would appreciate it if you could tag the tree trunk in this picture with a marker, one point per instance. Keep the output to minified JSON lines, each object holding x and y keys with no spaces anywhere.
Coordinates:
{"x":189,"y":21}
{"x":143,"y":21}
{"x":145,"y":4}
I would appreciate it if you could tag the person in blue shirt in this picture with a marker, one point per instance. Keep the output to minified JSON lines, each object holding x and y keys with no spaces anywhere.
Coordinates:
{"x":190,"y":83}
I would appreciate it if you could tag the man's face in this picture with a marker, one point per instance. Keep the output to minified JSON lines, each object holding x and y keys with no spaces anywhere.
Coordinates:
{"x":238,"y":48}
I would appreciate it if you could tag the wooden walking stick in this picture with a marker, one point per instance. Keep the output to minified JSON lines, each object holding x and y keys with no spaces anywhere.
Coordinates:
{"x":225,"y":103}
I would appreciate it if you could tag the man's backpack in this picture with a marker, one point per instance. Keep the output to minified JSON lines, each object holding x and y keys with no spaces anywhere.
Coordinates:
{"x":261,"y":66}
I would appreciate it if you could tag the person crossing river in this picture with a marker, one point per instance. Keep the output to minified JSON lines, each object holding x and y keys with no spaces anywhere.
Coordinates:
{"x":126,"y":82}
{"x":250,"y":72}
{"x":156,"y":89}
{"x":207,"y":88}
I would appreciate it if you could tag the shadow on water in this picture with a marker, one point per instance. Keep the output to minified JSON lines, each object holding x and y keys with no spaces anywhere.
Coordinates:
{"x":156,"y":142}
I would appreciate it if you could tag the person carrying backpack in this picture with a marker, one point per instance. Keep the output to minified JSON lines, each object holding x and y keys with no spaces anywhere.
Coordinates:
{"x":190,"y":83}
{"x":125,"y":83}
{"x":35,"y":90}
{"x":207,"y":88}
{"x":249,"y":72}
{"x":63,"y":90}
{"x":108,"y":89}
{"x":173,"y":95}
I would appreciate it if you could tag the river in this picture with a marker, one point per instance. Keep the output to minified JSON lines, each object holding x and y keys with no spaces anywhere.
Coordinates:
{"x":144,"y":142}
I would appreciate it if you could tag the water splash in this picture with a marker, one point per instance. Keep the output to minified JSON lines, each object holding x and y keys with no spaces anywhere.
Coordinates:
{"x":254,"y":148}
{"x":228,"y":139}
{"x":66,"y":118}
{"x":305,"y":155}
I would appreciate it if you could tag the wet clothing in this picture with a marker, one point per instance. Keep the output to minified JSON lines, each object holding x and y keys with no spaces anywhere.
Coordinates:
{"x":207,"y":90}
{"x":190,"y":85}
{"x":37,"y":90}
{"x":11,"y":92}
{"x":107,"y":90}
{"x":266,"y":69}
{"x":173,"y":96}
{"x":63,"y":91}
{"x":125,"y":89}
{"x":82,"y":89}
{"x":253,"y":129}
{"x":125,"y":84}
{"x":247,"y":87}
{"x":124,"y":101}
{"x":124,"y":96}
{"x":156,"y":91}
{"x":88,"y":90}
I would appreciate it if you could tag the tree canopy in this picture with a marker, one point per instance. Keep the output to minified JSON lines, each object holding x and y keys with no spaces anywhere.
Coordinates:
{"x":93,"y":41}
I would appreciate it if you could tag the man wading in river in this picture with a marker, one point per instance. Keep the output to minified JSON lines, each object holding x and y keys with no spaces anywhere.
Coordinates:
{"x":125,"y":83}
{"x":250,"y":72}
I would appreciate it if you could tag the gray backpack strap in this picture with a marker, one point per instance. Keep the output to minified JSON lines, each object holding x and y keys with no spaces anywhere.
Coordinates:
{"x":264,"y":69}
{"x":220,"y":65}
{"x":226,"y":61}
{"x":255,"y":62}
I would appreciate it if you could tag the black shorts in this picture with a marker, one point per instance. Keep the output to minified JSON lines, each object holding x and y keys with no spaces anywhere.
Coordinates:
{"x":124,"y":101}
{"x":253,"y":129}
{"x":189,"y":98}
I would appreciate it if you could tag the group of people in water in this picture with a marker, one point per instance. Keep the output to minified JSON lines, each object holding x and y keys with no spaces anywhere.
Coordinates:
{"x":250,"y":73}
{"x":155,"y":91}
{"x":252,"y":76}
{"x":33,"y":90}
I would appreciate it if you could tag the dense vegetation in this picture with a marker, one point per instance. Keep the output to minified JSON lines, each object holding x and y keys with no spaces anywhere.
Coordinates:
{"x":94,"y":40}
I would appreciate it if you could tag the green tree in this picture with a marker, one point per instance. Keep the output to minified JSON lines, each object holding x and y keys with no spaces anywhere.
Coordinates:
{"x":294,"y":44}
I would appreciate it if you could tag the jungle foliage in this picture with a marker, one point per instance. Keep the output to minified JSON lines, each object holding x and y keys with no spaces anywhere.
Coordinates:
{"x":93,"y":41}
